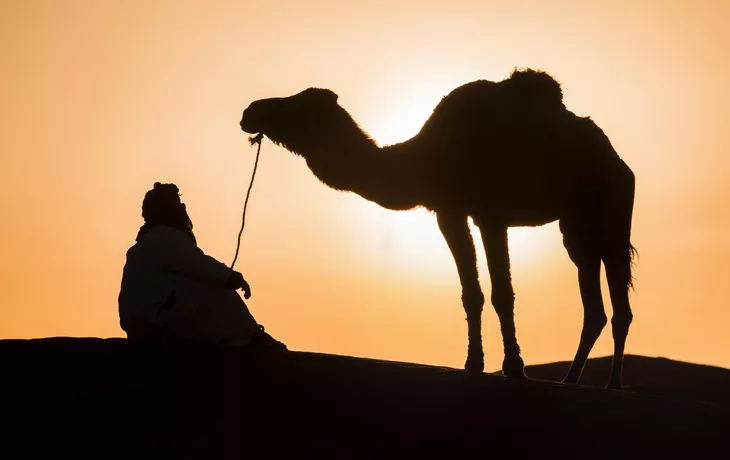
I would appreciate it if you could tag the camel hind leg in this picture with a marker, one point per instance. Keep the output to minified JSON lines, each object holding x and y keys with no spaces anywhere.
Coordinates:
{"x":618,"y":272}
{"x":587,"y":248}
{"x":594,"y":315}
{"x":618,"y":255}
{"x":600,"y":230}
{"x":583,"y":250}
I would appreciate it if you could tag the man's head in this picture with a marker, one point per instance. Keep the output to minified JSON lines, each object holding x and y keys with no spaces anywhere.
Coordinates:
{"x":162,"y":206}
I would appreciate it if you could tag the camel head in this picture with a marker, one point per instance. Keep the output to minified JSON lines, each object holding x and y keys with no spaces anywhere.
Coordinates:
{"x":290,"y":121}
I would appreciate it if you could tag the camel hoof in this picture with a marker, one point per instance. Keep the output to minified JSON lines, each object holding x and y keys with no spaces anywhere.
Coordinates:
{"x":514,"y":367}
{"x":614,"y":386}
{"x":570,"y":380}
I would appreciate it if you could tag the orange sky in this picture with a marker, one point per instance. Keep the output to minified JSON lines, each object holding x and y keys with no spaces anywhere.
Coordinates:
{"x":102,"y":98}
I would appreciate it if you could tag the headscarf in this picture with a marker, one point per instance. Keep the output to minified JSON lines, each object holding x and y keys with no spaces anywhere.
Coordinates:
{"x":162,"y":206}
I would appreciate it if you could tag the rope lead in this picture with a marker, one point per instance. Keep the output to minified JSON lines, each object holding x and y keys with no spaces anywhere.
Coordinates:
{"x":252,"y":140}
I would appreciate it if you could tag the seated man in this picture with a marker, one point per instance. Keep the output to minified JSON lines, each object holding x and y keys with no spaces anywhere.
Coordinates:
{"x":173,"y":292}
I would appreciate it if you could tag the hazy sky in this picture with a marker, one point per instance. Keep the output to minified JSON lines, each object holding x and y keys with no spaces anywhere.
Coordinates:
{"x":100,"y":99}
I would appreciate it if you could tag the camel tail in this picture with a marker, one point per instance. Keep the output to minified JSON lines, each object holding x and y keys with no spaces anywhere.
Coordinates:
{"x":633,"y":255}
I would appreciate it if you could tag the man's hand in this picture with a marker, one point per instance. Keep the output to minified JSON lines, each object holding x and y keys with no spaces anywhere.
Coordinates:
{"x":236,"y":281}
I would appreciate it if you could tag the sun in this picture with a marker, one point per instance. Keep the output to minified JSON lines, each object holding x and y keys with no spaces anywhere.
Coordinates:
{"x":413,"y":239}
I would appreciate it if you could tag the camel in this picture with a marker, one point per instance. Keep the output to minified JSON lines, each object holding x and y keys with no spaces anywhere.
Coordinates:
{"x":506,"y":153}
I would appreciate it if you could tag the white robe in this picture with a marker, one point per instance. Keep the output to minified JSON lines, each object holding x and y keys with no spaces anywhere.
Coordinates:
{"x":172,"y":291}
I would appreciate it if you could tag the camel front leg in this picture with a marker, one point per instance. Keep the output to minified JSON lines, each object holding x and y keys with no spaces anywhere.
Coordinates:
{"x":503,"y":296}
{"x":455,"y":229}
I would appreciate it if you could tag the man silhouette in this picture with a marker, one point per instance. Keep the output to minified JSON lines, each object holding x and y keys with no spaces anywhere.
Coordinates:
{"x":171,"y":291}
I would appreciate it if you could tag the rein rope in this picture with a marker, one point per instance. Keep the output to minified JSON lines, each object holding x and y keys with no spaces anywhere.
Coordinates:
{"x":251,"y":140}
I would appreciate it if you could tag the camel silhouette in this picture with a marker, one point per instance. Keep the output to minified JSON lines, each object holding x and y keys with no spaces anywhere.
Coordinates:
{"x":504,"y":153}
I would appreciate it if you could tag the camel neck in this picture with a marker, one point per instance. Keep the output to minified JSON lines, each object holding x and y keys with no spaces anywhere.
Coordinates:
{"x":382,"y":175}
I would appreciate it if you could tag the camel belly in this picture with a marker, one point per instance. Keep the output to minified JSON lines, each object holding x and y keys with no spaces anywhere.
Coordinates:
{"x":516,"y":212}
{"x":536,"y":203}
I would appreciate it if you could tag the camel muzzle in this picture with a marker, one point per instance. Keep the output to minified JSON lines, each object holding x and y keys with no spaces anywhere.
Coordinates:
{"x":244,"y":126}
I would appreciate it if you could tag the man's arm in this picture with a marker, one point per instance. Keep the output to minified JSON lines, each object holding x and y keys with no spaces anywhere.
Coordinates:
{"x":182,"y":256}
{"x":236,"y":281}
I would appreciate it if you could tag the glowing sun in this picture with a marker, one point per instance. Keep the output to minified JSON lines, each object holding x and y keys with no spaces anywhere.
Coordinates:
{"x":414,"y":238}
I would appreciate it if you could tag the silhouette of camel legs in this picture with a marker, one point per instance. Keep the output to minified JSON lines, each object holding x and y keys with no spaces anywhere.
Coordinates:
{"x":594,"y":314}
{"x":455,"y":229}
{"x":503,"y":296}
{"x":587,"y":246}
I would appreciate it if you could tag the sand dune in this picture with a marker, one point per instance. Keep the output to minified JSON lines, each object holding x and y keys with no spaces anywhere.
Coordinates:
{"x":105,"y":399}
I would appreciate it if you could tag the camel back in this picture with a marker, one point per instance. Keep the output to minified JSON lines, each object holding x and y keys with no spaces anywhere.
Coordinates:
{"x":524,"y":89}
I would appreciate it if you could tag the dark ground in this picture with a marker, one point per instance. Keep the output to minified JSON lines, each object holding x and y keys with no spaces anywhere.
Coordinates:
{"x":103,"y":398}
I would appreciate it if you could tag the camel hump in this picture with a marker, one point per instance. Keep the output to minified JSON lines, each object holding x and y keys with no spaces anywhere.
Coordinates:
{"x":537,"y":86}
